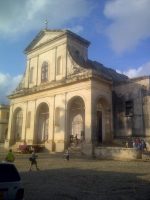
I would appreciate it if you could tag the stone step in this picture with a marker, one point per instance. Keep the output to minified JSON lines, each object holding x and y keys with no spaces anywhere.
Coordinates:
{"x":146,"y":155}
{"x":75,"y":151}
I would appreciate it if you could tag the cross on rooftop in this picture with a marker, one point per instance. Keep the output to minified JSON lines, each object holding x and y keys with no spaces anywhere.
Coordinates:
{"x":46,"y":24}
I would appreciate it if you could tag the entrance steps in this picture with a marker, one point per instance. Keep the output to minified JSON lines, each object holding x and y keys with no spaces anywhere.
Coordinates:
{"x":75,"y":151}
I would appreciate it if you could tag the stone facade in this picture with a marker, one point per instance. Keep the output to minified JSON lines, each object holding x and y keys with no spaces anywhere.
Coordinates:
{"x":65,"y":95}
{"x":131,"y":108}
{"x":4,"y":117}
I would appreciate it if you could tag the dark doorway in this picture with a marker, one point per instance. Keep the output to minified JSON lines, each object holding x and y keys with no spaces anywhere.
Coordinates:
{"x":99,"y":126}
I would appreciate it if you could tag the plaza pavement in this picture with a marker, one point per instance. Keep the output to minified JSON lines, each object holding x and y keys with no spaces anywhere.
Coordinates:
{"x":83,"y":179}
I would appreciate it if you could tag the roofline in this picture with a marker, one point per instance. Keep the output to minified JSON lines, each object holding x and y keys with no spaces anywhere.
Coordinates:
{"x":78,"y":37}
{"x":139,"y":78}
{"x":132,"y":80}
{"x":64,"y":32}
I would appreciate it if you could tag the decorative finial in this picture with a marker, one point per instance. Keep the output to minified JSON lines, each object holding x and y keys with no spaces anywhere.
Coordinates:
{"x":46,"y":24}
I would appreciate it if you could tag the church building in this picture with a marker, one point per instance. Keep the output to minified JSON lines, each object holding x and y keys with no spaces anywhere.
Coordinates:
{"x":65,"y":96}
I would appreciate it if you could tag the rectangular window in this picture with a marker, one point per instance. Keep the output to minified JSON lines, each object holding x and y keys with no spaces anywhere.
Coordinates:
{"x":129,"y":108}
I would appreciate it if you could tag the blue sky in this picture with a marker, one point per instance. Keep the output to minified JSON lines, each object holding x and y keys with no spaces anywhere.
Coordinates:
{"x":119,"y":32}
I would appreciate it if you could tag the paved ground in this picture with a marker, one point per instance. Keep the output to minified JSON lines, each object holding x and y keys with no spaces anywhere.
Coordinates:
{"x":84,"y":179}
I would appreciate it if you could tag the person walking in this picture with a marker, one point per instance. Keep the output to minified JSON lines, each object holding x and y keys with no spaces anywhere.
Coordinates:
{"x":67,"y":155}
{"x":33,"y":160}
{"x":10,"y":156}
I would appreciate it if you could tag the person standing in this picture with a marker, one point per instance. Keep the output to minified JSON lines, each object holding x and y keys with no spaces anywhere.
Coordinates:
{"x":33,"y":160}
{"x":10,"y":156}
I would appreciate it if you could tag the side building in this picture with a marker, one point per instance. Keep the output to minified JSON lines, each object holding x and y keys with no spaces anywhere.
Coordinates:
{"x":132,"y":108}
{"x":4,"y":117}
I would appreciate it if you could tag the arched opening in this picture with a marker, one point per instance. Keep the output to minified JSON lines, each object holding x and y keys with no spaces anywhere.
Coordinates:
{"x":99,"y":121}
{"x":42,"y":124}
{"x":76,"y":120}
{"x":103,"y":125}
{"x":18,"y":119}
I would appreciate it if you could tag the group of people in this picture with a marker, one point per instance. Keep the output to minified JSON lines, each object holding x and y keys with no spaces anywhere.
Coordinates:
{"x":137,"y":143}
{"x":77,"y":139}
{"x":10,"y":157}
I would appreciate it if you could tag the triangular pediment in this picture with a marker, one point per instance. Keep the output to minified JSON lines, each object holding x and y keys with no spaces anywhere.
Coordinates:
{"x":42,"y":38}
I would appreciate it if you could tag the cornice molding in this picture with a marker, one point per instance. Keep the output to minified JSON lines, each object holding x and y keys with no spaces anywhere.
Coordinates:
{"x":71,"y":80}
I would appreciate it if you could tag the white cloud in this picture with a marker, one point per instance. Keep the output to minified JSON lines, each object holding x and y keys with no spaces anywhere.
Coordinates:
{"x":130,"y":23}
{"x":143,"y":70}
{"x":21,"y":16}
{"x":77,"y":29}
{"x":7,"y":85}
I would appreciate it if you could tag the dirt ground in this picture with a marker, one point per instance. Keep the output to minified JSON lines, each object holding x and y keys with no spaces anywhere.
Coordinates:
{"x":84,"y":179}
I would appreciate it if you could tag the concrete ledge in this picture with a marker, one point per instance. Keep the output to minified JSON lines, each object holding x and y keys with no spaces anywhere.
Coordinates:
{"x":117,"y":153}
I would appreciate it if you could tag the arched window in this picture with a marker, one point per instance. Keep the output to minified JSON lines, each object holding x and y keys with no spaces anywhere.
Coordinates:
{"x":44,"y":72}
{"x":59,"y":66}
{"x":31,"y":75}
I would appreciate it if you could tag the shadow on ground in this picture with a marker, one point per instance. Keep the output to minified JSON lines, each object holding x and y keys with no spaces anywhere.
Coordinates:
{"x":78,"y":184}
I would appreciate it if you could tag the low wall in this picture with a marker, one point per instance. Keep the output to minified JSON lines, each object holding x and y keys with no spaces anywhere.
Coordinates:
{"x":117,"y":153}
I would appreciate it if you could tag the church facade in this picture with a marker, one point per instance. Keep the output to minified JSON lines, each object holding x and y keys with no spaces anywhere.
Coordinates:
{"x":64,"y":95}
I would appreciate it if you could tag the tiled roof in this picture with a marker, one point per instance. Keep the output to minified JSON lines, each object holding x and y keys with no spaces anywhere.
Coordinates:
{"x":105,"y":72}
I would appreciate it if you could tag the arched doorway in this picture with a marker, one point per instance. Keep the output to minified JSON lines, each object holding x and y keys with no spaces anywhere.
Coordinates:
{"x":76,"y":119}
{"x":99,"y":123}
{"x":103,"y":124}
{"x":18,"y":119}
{"x":42,"y":123}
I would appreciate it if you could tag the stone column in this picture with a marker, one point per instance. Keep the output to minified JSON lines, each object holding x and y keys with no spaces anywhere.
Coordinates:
{"x":87,"y":143}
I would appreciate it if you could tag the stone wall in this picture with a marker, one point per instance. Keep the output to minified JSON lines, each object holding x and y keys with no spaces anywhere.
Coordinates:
{"x":131,"y":108}
{"x":117,"y":153}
